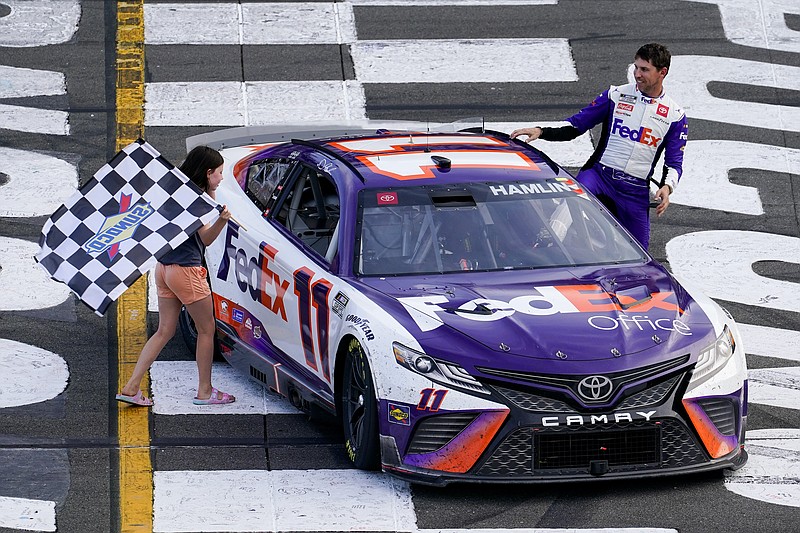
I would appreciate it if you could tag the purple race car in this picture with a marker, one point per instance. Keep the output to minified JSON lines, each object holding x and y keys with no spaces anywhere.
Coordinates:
{"x":466,"y":310}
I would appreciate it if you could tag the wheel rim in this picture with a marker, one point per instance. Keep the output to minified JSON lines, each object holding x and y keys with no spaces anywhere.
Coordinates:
{"x":357,"y":391}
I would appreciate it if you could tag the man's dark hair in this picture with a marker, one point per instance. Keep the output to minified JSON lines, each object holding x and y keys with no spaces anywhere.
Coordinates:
{"x":655,"y":53}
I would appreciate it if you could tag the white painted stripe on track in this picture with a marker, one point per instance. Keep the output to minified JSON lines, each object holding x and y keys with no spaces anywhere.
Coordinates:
{"x":34,"y":23}
{"x":772,"y":473}
{"x":38,"y":184}
{"x":281,"y":500}
{"x":24,"y":285}
{"x":451,"y":3}
{"x":720,"y":263}
{"x":268,"y":102}
{"x":25,"y":82}
{"x":217,"y":103}
{"x":191,"y":23}
{"x":32,"y":120}
{"x":28,"y":515}
{"x":463,"y":61}
{"x":22,"y":82}
{"x":714,"y":159}
{"x":778,"y":387}
{"x":174,"y":385}
{"x":263,"y":23}
{"x":260,"y":23}
{"x":557,"y":530}
{"x":772,"y":342}
{"x":759,"y":23}
{"x":689,"y":76}
{"x":30,"y":374}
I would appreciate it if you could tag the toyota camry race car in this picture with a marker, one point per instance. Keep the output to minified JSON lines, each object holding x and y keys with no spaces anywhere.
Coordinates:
{"x":466,"y":310}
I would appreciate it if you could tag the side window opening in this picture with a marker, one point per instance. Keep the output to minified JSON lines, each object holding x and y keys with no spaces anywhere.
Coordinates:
{"x":310,"y":211}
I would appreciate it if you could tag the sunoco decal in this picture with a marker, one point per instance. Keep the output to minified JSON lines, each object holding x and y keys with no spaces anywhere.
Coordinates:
{"x":399,"y":414}
{"x":118,"y":228}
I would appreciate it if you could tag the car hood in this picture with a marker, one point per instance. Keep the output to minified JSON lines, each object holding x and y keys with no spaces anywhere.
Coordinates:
{"x":572,"y":315}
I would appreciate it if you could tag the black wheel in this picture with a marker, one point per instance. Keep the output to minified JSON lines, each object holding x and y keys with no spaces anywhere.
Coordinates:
{"x":189,"y":333}
{"x":359,"y":410}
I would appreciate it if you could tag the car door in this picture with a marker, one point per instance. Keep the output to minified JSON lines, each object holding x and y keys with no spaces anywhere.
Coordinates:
{"x":306,"y":214}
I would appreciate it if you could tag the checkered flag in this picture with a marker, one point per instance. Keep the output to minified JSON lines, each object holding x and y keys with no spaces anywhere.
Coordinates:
{"x":114,"y":228}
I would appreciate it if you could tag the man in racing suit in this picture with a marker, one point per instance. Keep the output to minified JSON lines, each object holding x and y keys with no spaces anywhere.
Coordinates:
{"x":639,"y":123}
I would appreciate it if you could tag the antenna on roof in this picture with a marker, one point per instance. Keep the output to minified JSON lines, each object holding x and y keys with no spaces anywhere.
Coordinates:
{"x":428,"y":136}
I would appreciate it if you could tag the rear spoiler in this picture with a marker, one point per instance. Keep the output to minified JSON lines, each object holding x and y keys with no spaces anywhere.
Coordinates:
{"x":245,"y":135}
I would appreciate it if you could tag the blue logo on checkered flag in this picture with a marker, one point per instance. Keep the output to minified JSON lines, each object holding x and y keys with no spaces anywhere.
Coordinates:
{"x":118,"y":228}
{"x":137,"y":207}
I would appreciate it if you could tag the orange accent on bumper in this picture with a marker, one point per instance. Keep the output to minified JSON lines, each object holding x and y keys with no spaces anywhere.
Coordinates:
{"x":717,"y":444}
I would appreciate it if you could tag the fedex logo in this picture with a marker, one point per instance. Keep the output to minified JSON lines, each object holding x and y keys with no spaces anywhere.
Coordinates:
{"x":253,"y":275}
{"x":642,"y":135}
{"x":549,"y":300}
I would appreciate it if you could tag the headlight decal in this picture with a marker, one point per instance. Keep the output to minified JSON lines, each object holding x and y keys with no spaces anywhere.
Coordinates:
{"x":437,"y":370}
{"x":461,"y":453}
{"x":717,"y":444}
{"x":714,"y":357}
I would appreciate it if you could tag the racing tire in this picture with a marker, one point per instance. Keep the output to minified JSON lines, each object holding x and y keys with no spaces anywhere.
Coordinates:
{"x":189,"y":334}
{"x":359,"y":410}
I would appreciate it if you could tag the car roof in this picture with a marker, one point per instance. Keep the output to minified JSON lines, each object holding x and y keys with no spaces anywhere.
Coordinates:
{"x":400,"y":158}
{"x":388,"y":157}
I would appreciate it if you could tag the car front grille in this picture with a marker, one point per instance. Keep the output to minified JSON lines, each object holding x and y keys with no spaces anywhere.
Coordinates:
{"x":434,"y":432}
{"x":534,"y":400}
{"x":638,"y":446}
{"x":650,"y":396}
{"x":572,"y":383}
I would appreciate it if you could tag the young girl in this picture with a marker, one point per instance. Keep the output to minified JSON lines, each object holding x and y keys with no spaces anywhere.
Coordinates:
{"x":181,"y":280}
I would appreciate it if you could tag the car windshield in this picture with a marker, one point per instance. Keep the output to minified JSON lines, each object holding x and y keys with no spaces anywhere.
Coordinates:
{"x":486,"y":226}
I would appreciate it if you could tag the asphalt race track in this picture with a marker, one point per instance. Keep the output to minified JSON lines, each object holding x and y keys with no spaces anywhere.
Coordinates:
{"x":733,"y":229}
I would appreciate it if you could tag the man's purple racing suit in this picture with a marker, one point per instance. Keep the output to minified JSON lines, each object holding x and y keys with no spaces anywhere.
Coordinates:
{"x":636,"y":130}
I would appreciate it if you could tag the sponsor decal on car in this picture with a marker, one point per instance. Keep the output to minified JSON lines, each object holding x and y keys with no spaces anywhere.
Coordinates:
{"x":362,"y":324}
{"x":237,"y":315}
{"x":399,"y":414}
{"x":552,"y":300}
{"x":269,"y":288}
{"x":387,"y":198}
{"x":339,"y":303}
